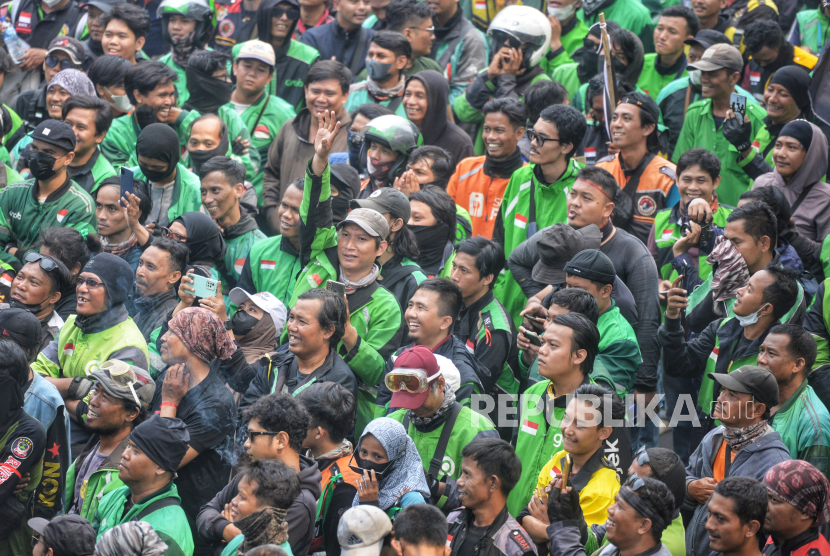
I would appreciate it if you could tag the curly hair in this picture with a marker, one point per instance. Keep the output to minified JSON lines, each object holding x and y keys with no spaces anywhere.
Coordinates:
{"x":281,"y":412}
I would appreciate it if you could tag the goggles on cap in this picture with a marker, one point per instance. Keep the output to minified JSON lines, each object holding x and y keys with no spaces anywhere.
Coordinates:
{"x":634,"y":482}
{"x":122,"y":375}
{"x":414,"y":381}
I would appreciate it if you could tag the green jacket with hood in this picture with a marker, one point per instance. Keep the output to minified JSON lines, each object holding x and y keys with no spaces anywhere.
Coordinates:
{"x":121,"y":139}
{"x":240,"y":238}
{"x":515,"y":218}
{"x":272,"y":266}
{"x":187,"y":191}
{"x":22,"y":217}
{"x":169,"y":522}
{"x":100,"y":483}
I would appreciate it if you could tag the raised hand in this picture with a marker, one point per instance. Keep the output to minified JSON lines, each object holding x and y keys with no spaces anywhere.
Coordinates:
{"x":327,"y":129}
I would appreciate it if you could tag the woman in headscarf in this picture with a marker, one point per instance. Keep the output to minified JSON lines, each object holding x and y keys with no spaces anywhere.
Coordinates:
{"x":203,"y":238}
{"x":258,"y":323}
{"x":134,"y":538}
{"x":800,"y":156}
{"x":425,"y":101}
{"x":393,"y":476}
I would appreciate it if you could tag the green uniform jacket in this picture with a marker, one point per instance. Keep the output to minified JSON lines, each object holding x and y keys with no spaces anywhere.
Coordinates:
{"x":272,"y":268}
{"x":74,"y":353}
{"x":187,"y":191}
{"x":572,"y":35}
{"x":100,"y":483}
{"x":804,"y":425}
{"x":551,"y":208}
{"x":651,"y":81}
{"x":373,"y":312}
{"x":619,"y":352}
{"x":810,"y":30}
{"x":22,"y":217}
{"x":239,"y":246}
{"x":361,"y":96}
{"x":170,"y":522}
{"x":631,"y":15}
{"x":566,"y":75}
{"x":264,"y":118}
{"x":121,"y":139}
{"x":699,"y":129}
{"x":817,"y":322}
{"x":101,"y":170}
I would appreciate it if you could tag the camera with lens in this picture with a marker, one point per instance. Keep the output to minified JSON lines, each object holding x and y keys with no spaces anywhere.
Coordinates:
{"x":707,"y":235}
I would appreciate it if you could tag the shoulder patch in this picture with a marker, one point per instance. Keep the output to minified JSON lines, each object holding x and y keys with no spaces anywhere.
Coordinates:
{"x":22,"y":447}
{"x":517,"y":537}
{"x":667,"y":171}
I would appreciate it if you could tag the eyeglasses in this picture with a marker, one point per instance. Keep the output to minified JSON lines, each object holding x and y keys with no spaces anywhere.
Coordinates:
{"x":292,"y":13}
{"x":90,"y":283}
{"x":642,"y":456}
{"x":430,"y":30}
{"x":540,"y":139}
{"x":224,"y":77}
{"x":634,"y":482}
{"x":254,"y":434}
{"x":170,"y":234}
{"x":52,"y":61}
{"x":36,"y":539}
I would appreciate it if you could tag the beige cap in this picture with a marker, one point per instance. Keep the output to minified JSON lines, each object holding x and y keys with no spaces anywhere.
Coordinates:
{"x":719,"y":56}
{"x":372,"y":222}
{"x":257,"y":50}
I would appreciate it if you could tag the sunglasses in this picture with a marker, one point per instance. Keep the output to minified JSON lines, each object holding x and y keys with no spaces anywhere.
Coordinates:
{"x":90,"y":283}
{"x":254,"y":434}
{"x":534,"y":137}
{"x":634,"y":482}
{"x":642,"y":456}
{"x":46,"y":264}
{"x":52,"y":61}
{"x":36,"y":539}
{"x":169,"y":234}
{"x":292,"y":13}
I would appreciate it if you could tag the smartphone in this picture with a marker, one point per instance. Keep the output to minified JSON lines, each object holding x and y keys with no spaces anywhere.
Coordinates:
{"x":204,"y":287}
{"x":566,"y":471}
{"x":533,"y":338}
{"x":738,"y":104}
{"x":127,"y":181}
{"x":337,"y":287}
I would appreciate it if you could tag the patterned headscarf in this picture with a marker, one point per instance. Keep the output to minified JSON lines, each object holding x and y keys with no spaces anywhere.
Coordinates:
{"x":802,"y":486}
{"x":203,"y":334}
{"x":730,"y":271}
{"x":407,"y":471}
{"x":134,"y":538}
{"x":75,"y":82}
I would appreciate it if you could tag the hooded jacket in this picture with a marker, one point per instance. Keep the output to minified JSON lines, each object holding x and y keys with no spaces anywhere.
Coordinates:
{"x":812,"y":216}
{"x":461,"y":51}
{"x":436,"y":129}
{"x":293,"y":58}
{"x":300,"y":518}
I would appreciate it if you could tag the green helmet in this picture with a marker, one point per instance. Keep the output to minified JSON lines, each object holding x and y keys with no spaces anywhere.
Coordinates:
{"x":393,"y":132}
{"x":200,"y":10}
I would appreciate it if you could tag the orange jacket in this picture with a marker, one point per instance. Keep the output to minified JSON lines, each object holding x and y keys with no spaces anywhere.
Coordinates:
{"x":477,"y":192}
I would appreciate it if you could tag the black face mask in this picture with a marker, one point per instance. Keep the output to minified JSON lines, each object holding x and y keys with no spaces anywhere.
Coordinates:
{"x":41,"y":165}
{"x":15,"y":304}
{"x":197,"y":158}
{"x":144,"y":116}
{"x":431,"y":242}
{"x":154,"y":175}
{"x":243,"y":322}
{"x":339,"y":209}
{"x":587,"y":59}
{"x":380,"y":469}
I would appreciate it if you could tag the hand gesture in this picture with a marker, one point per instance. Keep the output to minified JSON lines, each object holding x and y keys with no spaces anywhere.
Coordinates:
{"x":327,"y":129}
{"x":215,"y":304}
{"x":512,"y":61}
{"x":226,"y":513}
{"x":367,"y":487}
{"x":555,"y":33}
{"x":240,"y":146}
{"x":176,"y":384}
{"x":186,"y":291}
{"x":738,"y":131}
{"x":663,"y":290}
{"x":676,"y":300}
{"x":407,"y":183}
{"x":688,"y":241}
{"x":700,"y":211}
{"x":538,"y":506}
{"x":529,"y":351}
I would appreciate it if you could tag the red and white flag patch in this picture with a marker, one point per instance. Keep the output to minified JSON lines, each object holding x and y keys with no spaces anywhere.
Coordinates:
{"x":268,"y":265}
{"x":520,"y":221}
{"x":530,"y":427}
{"x":62,"y":214}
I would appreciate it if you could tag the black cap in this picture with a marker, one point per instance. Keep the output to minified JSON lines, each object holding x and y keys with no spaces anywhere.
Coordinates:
{"x":21,"y":327}
{"x":592,"y":264}
{"x":557,"y":245}
{"x":55,"y":133}
{"x":345,"y":177}
{"x":71,"y":46}
{"x":164,"y":440}
{"x":386,"y":200}
{"x":105,"y":6}
{"x":66,"y":535}
{"x":708,"y":37}
{"x":753,"y":380}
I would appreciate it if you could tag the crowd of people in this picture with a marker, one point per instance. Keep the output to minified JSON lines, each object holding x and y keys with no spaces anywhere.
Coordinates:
{"x":399,"y":278}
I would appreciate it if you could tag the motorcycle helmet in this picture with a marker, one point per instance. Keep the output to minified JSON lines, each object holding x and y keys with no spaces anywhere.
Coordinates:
{"x":393,"y":132}
{"x":200,"y":10}
{"x":520,"y":25}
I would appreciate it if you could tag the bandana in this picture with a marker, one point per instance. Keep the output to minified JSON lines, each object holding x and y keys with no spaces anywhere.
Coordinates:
{"x":449,"y":399}
{"x":634,"y":500}
{"x":203,"y":334}
{"x":119,"y":249}
{"x":183,"y":48}
{"x":802,"y":486}
{"x":75,"y":82}
{"x":133,"y":538}
{"x":266,"y":526}
{"x":730,"y":271}
{"x":738,"y":439}
{"x":352,"y":287}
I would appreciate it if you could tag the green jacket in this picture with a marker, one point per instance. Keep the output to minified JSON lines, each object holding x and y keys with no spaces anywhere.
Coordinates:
{"x":239,"y":239}
{"x":232,"y":547}
{"x":631,"y":15}
{"x":121,"y":139}
{"x":22,"y":217}
{"x":804,"y":425}
{"x":651,"y":81}
{"x":264,"y":118}
{"x":619,"y":352}
{"x":101,"y":170}
{"x":359,"y":95}
{"x":169,"y":522}
{"x":817,"y":322}
{"x":373,"y":311}
{"x":572,"y":35}
{"x":100,"y":483}
{"x":699,"y":129}
{"x":512,"y":222}
{"x":273,"y":267}
{"x":187,"y":191}
{"x":566,"y":75}
{"x":810,"y":30}
{"x":76,"y":353}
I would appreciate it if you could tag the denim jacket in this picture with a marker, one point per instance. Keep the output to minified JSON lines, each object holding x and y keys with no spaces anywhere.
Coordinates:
{"x":42,"y":401}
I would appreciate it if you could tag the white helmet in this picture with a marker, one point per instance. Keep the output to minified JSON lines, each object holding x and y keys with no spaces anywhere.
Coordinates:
{"x":524,"y":25}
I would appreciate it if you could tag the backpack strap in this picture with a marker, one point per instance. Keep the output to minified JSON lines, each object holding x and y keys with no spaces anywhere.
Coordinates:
{"x":358,"y":57}
{"x":443,"y":440}
{"x":395,"y":103}
{"x":154,"y":506}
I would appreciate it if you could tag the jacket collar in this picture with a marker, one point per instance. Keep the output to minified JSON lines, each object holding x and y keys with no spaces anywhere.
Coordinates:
{"x":246,"y":224}
{"x":56,"y":194}
{"x":790,"y":546}
{"x":87,"y":167}
{"x":102,"y":321}
{"x":468,"y":518}
{"x":148,"y":304}
{"x":787,"y":405}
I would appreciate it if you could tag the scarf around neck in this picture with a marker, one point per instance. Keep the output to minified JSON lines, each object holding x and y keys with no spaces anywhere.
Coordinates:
{"x":119,"y":249}
{"x":266,"y":526}
{"x":352,"y":287}
{"x":738,"y":439}
{"x":385,"y":94}
{"x":182,"y":48}
{"x":505,"y":167}
{"x":449,"y":399}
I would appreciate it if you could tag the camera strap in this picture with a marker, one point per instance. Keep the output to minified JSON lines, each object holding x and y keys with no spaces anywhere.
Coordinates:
{"x":801,"y":197}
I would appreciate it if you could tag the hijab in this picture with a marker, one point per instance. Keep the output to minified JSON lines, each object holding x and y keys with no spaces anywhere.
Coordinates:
{"x":261,"y":339}
{"x":407,"y":470}
{"x":204,"y":239}
{"x":812,"y":169}
{"x":438,"y":92}
{"x":75,"y":82}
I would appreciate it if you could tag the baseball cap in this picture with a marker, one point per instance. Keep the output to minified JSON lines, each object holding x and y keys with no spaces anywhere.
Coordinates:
{"x":720,"y":56}
{"x":265,"y":301}
{"x":72,"y":46}
{"x":105,"y":6}
{"x":386,"y":200}
{"x":372,"y":222}
{"x":66,"y":535}
{"x":416,"y":357}
{"x":592,"y":264}
{"x":55,"y":133}
{"x":257,"y":50}
{"x":115,"y":377}
{"x":361,"y":531}
{"x":750,"y":379}
{"x":21,"y":327}
{"x":707,"y":38}
{"x":557,"y":245}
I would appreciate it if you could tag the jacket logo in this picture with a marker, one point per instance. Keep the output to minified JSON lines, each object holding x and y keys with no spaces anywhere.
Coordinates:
{"x":268,"y":265}
{"x":68,"y":349}
{"x":293,"y":83}
{"x":530,"y":427}
{"x":646,"y":205}
{"x":448,"y":466}
{"x":22,"y":447}
{"x":519,"y":539}
{"x":62,"y":214}
{"x":16,"y":215}
{"x":476,"y":204}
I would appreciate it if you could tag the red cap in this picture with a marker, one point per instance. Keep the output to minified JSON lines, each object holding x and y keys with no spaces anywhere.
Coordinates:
{"x":416,"y":357}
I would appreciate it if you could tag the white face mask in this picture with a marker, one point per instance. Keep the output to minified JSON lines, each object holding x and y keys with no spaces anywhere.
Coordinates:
{"x":750,"y":319}
{"x":562,"y":13}
{"x":694,"y":77}
{"x":51,"y":3}
{"x":120,"y":102}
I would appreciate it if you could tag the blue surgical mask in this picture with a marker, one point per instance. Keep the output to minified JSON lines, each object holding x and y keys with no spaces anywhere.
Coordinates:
{"x":751,"y":318}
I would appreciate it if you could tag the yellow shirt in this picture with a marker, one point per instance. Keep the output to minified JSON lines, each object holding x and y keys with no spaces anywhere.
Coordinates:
{"x":595,"y":498}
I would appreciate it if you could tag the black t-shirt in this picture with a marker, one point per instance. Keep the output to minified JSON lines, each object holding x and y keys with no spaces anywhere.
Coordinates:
{"x":208,"y":411}
{"x":474,"y":536}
